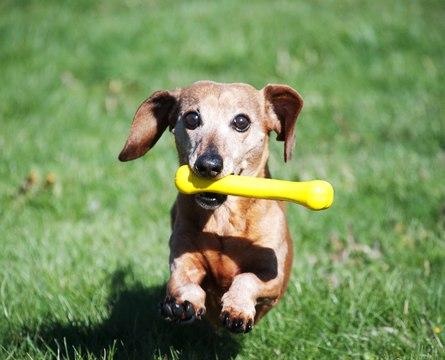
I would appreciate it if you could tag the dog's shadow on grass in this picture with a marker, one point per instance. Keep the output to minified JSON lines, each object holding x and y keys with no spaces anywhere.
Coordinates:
{"x":135,"y":330}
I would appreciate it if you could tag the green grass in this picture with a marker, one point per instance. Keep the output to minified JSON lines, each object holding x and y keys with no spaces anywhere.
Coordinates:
{"x":83,"y":261}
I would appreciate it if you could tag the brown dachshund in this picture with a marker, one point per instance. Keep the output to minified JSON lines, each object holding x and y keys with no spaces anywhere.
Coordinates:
{"x":230,"y":257}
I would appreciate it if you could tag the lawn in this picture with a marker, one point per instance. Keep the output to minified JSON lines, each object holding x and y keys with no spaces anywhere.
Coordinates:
{"x":83,"y":238}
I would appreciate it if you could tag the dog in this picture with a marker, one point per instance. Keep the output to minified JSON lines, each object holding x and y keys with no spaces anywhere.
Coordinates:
{"x":230,"y":257}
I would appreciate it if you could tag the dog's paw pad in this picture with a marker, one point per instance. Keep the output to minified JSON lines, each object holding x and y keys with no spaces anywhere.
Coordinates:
{"x":180,"y":312}
{"x":237,"y":324}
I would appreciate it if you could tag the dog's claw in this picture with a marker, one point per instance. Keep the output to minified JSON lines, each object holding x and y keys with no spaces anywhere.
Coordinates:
{"x":248,"y":326}
{"x":177,"y":310}
{"x":238,"y":325}
{"x":200,"y":313}
{"x":166,"y":310}
{"x":225,"y":320}
{"x":189,"y":310}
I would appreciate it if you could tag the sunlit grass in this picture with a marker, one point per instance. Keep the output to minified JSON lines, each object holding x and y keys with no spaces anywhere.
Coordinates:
{"x":83,"y":238}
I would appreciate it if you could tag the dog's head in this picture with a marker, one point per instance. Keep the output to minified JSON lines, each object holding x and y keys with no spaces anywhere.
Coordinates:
{"x":219,"y":129}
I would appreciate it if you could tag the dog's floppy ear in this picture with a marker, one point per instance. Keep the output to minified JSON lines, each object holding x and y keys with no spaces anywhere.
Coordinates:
{"x":152,"y":117}
{"x":283,"y":104}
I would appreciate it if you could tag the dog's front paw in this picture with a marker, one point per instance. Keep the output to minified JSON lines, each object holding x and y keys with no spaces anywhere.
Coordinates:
{"x":180,"y":312}
{"x":237,"y":320}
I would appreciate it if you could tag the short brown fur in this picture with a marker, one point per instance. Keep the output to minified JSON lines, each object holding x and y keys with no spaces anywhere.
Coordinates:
{"x":231,"y":262}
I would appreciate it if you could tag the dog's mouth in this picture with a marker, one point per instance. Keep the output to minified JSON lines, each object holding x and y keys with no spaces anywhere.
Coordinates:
{"x":210,"y":201}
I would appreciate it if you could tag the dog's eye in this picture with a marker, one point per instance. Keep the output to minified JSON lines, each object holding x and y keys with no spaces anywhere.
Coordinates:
{"x":241,"y":123}
{"x":191,"y":120}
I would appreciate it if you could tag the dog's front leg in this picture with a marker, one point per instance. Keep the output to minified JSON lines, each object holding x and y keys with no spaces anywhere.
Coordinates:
{"x":185,"y":300}
{"x":238,"y":303}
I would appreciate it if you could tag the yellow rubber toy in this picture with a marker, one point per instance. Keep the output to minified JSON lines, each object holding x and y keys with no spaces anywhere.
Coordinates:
{"x":315,"y":194}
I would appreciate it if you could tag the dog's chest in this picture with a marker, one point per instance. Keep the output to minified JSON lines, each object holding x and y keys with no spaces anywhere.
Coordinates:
{"x":225,"y":257}
{"x":223,"y":268}
{"x":228,"y":243}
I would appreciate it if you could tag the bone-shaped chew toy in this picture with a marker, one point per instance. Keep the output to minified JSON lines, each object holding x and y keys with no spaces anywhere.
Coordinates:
{"x":314,"y":194}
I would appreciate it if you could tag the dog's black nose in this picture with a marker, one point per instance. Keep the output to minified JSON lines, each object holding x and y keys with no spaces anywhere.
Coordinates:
{"x":209,"y":165}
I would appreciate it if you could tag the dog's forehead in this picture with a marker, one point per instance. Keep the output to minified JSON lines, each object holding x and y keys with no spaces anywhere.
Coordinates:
{"x":237,"y":95}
